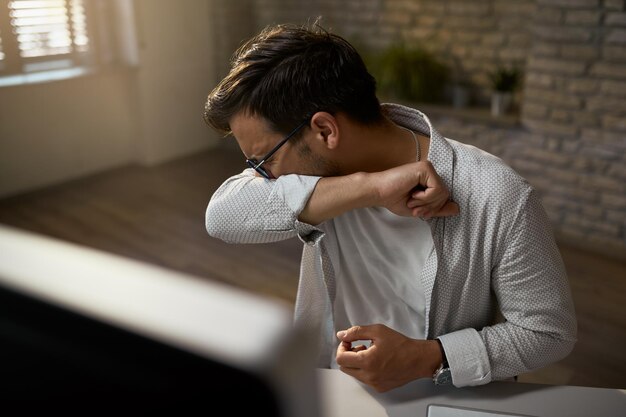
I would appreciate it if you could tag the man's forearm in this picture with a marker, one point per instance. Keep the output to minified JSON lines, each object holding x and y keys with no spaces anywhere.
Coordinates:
{"x":396,"y":189}
{"x":336,"y":195}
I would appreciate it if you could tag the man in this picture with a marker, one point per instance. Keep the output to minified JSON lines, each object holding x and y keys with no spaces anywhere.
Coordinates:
{"x":405,"y":269}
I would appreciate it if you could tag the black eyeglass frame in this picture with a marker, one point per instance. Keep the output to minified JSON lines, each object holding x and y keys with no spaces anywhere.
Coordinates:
{"x":257,"y":166}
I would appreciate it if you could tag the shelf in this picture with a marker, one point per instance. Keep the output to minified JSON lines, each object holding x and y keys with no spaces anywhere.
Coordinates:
{"x":469,"y":114}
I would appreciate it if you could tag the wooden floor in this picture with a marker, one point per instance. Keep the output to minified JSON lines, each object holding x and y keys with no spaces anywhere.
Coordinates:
{"x":157,"y":215}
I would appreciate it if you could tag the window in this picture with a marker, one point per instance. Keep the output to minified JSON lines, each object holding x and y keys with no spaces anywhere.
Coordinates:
{"x":42,"y":35}
{"x":1,"y":53}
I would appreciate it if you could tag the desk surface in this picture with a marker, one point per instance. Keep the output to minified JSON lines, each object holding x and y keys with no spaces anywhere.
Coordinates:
{"x":343,"y":396}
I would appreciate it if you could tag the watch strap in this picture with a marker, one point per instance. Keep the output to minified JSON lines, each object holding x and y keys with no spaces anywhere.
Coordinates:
{"x":442,"y":375}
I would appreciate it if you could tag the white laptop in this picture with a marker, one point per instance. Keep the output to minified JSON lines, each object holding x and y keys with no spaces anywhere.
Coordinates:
{"x":440,"y":410}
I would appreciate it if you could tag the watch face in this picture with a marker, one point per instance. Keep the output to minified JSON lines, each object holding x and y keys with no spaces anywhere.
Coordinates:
{"x":443,"y":377}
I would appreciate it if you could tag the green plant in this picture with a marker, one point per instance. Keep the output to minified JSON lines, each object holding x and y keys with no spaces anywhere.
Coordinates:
{"x":505,"y":79}
{"x":410,"y":73}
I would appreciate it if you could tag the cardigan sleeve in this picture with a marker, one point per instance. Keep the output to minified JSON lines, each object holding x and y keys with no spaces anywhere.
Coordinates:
{"x":533,"y":294}
{"x":250,"y":209}
{"x":532,"y":288}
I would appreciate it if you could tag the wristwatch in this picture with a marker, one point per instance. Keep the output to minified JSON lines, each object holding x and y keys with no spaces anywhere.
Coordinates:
{"x":442,"y":375}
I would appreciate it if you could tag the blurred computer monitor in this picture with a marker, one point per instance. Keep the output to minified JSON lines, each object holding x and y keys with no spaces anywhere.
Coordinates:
{"x":84,"y":332}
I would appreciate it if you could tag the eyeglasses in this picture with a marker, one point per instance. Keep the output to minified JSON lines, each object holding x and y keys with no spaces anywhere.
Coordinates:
{"x":258,"y":166}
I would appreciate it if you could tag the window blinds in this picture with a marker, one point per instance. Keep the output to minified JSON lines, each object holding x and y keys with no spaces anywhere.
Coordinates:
{"x":48,"y":27}
{"x":41,"y":35}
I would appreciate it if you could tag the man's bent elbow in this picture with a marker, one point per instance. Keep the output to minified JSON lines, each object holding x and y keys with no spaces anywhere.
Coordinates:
{"x":212,"y":227}
{"x":216,"y":224}
{"x":566,"y":347}
{"x":566,"y":342}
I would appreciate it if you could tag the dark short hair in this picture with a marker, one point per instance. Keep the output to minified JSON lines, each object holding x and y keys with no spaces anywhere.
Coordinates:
{"x":287,"y":73}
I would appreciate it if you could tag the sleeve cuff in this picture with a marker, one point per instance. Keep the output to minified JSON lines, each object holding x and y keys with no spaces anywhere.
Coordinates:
{"x":467,"y":358}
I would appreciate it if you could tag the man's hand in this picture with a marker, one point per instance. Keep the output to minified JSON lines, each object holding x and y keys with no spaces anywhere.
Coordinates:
{"x":390,"y":361}
{"x":413,"y":189}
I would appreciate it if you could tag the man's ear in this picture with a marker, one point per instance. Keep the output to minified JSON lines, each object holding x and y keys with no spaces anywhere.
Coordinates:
{"x":326,"y":129}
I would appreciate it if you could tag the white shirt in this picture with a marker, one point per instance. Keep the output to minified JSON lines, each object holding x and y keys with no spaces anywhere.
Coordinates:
{"x":378,"y":262}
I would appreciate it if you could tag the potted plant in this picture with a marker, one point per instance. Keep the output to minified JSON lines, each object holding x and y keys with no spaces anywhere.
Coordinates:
{"x":409,"y":72}
{"x":504,"y":81}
